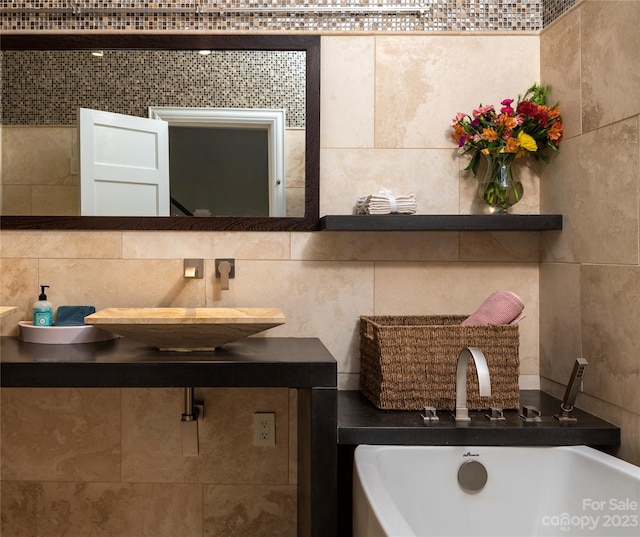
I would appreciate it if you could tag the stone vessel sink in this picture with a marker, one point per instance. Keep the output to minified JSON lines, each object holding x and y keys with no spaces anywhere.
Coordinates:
{"x":186,"y":329}
{"x":7,"y":310}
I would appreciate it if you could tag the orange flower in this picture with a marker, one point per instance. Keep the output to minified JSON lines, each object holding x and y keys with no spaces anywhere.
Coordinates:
{"x":528,"y":127}
{"x":553,"y":112}
{"x":555,"y":132}
{"x":458,"y":132}
{"x":509,"y":122}
{"x":490,"y":135}
{"x":512,"y":146}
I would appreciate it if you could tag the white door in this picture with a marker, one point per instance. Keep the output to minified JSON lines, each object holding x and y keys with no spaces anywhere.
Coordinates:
{"x":124,"y":165}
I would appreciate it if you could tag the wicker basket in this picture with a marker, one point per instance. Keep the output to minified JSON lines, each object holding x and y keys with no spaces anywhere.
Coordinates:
{"x":409,"y":362}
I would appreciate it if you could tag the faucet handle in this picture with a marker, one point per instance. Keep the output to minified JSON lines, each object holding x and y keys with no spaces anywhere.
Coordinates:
{"x":530,"y":414}
{"x":496,"y":414}
{"x":430,"y":415}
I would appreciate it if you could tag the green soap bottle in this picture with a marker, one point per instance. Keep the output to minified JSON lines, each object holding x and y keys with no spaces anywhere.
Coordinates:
{"x":42,"y":310}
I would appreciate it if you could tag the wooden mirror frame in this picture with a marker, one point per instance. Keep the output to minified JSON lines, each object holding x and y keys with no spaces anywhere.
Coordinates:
{"x":309,"y":44}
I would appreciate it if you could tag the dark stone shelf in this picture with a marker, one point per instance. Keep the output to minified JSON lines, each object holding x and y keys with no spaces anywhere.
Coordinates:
{"x":442,"y":222}
{"x":359,"y":422}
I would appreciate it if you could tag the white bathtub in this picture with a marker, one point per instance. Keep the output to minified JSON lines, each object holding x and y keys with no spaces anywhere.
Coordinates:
{"x":402,"y":491}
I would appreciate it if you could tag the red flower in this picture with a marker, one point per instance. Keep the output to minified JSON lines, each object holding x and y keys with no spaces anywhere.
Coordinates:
{"x":528,"y":108}
{"x":529,"y":129}
{"x":542,"y":116}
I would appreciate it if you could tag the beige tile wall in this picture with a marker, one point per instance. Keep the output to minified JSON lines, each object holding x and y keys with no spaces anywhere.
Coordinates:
{"x":108,"y":462}
{"x":49,"y":184}
{"x":387,"y":103}
{"x":590,"y":277}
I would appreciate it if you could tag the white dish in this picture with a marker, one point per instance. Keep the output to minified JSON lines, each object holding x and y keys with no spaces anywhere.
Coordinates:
{"x":61,"y":335}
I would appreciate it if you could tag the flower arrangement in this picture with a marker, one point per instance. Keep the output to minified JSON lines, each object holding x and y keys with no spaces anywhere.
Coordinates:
{"x":528,"y":129}
{"x":505,"y":135}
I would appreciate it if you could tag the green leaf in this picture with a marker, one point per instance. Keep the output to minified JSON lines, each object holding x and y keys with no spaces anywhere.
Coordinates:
{"x":475,"y":162}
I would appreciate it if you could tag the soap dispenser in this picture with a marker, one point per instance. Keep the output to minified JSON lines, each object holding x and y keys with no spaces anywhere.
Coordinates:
{"x":42,"y":309}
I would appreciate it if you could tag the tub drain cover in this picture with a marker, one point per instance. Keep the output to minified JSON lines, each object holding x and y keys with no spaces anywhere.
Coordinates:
{"x":472,"y":476}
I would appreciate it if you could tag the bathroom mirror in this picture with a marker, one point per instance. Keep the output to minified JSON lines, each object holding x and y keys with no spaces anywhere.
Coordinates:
{"x":152,"y":46}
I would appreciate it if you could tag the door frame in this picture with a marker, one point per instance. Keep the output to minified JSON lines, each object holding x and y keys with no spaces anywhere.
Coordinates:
{"x":271,"y":120}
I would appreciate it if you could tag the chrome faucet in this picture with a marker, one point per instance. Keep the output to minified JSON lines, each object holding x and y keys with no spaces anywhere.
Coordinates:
{"x":484,"y":383}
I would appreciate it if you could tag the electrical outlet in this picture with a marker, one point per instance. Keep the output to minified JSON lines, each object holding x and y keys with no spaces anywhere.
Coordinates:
{"x":264,"y":427}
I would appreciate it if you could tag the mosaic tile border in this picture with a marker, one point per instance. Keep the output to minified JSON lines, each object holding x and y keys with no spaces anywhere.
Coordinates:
{"x":278,"y":15}
{"x":552,"y":9}
{"x":33,"y":80}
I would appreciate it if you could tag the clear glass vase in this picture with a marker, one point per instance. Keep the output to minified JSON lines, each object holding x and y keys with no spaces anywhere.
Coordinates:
{"x":500,"y":189}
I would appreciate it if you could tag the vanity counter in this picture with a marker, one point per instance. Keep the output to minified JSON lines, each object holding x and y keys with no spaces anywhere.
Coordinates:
{"x":125,"y":363}
{"x":301,"y":363}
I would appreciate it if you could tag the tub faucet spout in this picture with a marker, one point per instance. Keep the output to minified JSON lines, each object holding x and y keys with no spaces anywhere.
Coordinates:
{"x":569,"y":399}
{"x":484,"y":382}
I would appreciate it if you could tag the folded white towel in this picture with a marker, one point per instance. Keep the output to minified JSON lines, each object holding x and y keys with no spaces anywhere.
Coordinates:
{"x":384,"y":202}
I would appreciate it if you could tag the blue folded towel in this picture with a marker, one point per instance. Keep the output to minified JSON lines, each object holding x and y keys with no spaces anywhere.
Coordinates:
{"x":73,"y":315}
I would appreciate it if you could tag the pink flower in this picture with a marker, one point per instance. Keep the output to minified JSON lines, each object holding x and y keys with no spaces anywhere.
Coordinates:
{"x":506,"y":107}
{"x":482,"y":110}
{"x":523,"y":126}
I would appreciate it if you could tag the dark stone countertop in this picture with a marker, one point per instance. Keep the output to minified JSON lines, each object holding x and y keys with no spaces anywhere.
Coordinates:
{"x":285,"y":362}
{"x":251,"y":362}
{"x":359,"y":422}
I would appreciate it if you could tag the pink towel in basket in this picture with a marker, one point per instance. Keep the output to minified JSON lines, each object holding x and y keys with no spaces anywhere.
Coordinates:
{"x":501,"y":307}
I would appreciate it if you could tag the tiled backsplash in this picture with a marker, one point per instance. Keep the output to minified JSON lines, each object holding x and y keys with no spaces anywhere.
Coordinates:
{"x":552,"y":9}
{"x":283,"y":15}
{"x":33,"y":80}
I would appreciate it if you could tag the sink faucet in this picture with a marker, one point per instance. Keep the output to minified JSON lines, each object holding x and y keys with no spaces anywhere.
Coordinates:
{"x":484,"y":383}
